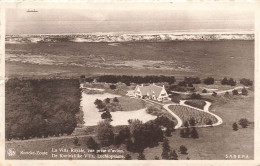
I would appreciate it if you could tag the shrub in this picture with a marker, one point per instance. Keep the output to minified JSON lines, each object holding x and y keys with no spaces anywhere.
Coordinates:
{"x":115,"y":99}
{"x":209,"y":122}
{"x":183,"y":149}
{"x":156,"y":158}
{"x":112,"y":87}
{"x":244,"y":91}
{"x":204,"y":91}
{"x":128,"y":157}
{"x":235,"y":126}
{"x":92,"y":144}
{"x":182,"y":83}
{"x":106,"y":115}
{"x":192,"y":121}
{"x":214,"y":94}
{"x":235,"y":92}
{"x":190,"y":85}
{"x":154,"y":111}
{"x":76,"y":141}
{"x":243,"y":122}
{"x":141,"y":156}
{"x":209,"y":81}
{"x":194,"y":134}
{"x":226,"y":94}
{"x":230,"y":82}
{"x":168,"y":132}
{"x":173,"y":155}
{"x":195,"y":96}
{"x":105,"y":133}
{"x":246,"y":82}
{"x":107,"y":100}
{"x":182,"y":133}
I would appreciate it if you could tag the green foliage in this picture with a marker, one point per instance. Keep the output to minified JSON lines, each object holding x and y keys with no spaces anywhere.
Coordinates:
{"x":183,"y":149}
{"x":243,"y":122}
{"x":235,"y":126}
{"x":123,"y":135}
{"x":105,"y":133}
{"x":37,"y":108}
{"x":214,"y":94}
{"x":166,"y":149}
{"x":192,"y":121}
{"x":182,"y":133}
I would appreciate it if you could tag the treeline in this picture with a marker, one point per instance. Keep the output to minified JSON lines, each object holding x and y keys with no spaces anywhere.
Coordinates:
{"x":41,"y":108}
{"x":131,"y":79}
{"x":137,"y":136}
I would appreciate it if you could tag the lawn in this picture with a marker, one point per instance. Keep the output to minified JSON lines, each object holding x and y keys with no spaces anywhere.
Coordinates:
{"x":130,"y":104}
{"x":196,"y":103}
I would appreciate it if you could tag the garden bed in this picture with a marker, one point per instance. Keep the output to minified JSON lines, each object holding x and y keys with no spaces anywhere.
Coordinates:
{"x":186,"y":113}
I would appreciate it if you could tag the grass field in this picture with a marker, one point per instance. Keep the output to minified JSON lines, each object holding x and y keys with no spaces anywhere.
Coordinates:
{"x":178,"y":58}
{"x":196,"y":103}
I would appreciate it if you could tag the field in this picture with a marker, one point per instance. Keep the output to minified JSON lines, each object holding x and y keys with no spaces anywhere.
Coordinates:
{"x":178,"y":58}
{"x":186,"y":113}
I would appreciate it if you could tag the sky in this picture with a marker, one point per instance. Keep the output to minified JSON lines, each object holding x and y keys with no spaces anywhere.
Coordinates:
{"x":126,"y":20}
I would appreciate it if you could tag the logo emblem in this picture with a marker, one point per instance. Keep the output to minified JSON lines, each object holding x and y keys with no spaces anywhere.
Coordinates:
{"x":11,"y":152}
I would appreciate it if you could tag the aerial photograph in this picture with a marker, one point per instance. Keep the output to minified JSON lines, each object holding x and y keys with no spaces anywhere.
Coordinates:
{"x":129,"y":83}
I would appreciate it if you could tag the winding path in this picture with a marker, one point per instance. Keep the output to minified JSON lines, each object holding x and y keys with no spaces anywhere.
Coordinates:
{"x":206,"y":109}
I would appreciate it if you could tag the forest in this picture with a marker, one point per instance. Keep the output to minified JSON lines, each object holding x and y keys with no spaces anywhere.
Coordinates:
{"x":41,"y":107}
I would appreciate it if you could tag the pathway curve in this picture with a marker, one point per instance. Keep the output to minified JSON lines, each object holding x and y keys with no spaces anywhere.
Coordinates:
{"x":179,"y":124}
{"x":205,"y":109}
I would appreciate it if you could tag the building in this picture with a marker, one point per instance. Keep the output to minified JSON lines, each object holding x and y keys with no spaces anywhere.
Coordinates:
{"x":151,"y":91}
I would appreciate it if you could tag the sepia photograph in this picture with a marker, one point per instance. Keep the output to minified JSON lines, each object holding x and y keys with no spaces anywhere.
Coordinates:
{"x":129,"y":82}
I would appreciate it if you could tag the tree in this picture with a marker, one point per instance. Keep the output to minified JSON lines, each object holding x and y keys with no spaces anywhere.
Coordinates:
{"x":76,"y":141}
{"x":182,"y":133}
{"x":166,"y":146}
{"x":226,"y":94}
{"x":192,"y":121}
{"x":243,"y":122}
{"x":115,"y":99}
{"x":209,"y":122}
{"x":194,"y":134}
{"x":204,"y":91}
{"x":106,"y":115}
{"x":224,"y":81}
{"x":235,"y":126}
{"x":107,"y":100}
{"x":128,"y":157}
{"x":183,"y":149}
{"x":195,"y":96}
{"x":173,"y":155}
{"x":92,"y":144}
{"x":214,"y":94}
{"x":165,"y":155}
{"x":141,"y":156}
{"x":246,"y":82}
{"x":112,"y":86}
{"x":235,"y":92}
{"x":168,"y":132}
{"x":209,"y":81}
{"x":244,"y":91}
{"x":105,"y":133}
{"x":186,"y":124}
{"x":156,"y":158}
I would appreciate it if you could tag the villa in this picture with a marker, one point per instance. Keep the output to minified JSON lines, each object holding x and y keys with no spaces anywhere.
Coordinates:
{"x":151,"y":91}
